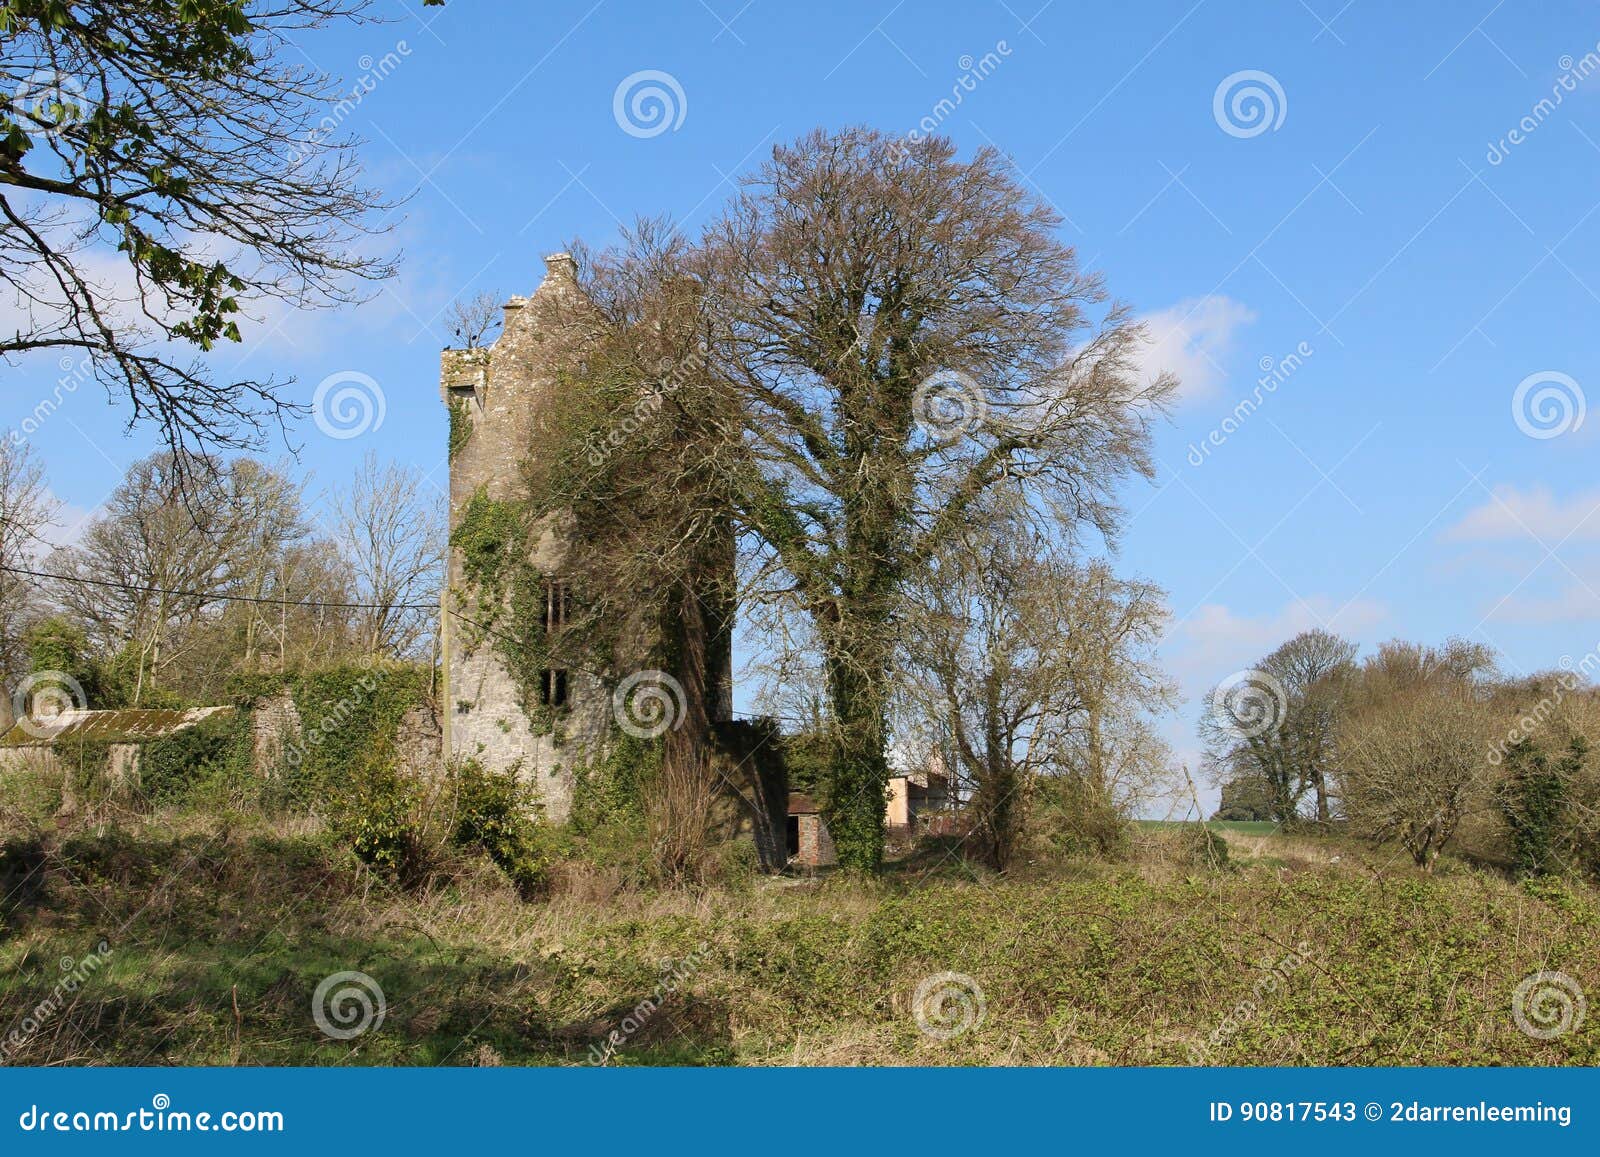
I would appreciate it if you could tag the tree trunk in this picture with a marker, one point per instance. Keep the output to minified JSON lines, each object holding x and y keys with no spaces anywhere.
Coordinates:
{"x":858,"y":779}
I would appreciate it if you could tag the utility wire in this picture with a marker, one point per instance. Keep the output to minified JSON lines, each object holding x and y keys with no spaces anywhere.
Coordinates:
{"x":123,"y":586}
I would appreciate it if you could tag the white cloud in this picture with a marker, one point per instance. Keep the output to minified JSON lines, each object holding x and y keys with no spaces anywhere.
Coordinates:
{"x":1192,"y":340}
{"x":67,"y":528}
{"x":1510,"y":513}
{"x":1214,"y":642}
{"x":1575,"y":603}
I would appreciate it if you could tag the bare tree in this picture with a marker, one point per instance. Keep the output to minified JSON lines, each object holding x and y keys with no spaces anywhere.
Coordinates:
{"x":1301,"y":691}
{"x":905,"y":335}
{"x":389,"y":529}
{"x":166,"y":168}
{"x":473,"y":319}
{"x":26,"y":510}
{"x":1025,"y":663}
{"x":153,"y":566}
{"x":1415,"y":764}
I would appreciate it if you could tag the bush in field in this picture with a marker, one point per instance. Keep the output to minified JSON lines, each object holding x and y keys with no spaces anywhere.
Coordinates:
{"x":1415,"y":765}
{"x":495,"y":814}
{"x":376,"y":812}
{"x":1069,"y":817}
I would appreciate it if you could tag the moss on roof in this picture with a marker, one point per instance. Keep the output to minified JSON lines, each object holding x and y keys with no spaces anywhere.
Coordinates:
{"x":132,"y":725}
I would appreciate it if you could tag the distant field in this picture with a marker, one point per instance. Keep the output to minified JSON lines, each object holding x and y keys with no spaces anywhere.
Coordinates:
{"x":1243,"y":827}
{"x":217,"y":940}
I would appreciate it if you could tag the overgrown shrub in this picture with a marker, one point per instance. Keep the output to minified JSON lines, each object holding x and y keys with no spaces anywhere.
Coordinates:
{"x":495,"y":814}
{"x":1066,"y":817}
{"x":375,"y":812}
{"x":176,"y":769}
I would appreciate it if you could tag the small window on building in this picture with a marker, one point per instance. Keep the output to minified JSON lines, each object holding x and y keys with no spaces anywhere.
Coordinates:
{"x":553,"y":688}
{"x":557,"y":603}
{"x":463,"y":393}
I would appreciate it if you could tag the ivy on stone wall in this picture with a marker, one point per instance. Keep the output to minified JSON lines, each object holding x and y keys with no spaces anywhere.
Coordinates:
{"x":349,"y":716}
{"x":503,"y":599}
{"x":173,"y":766}
{"x":460,"y":425}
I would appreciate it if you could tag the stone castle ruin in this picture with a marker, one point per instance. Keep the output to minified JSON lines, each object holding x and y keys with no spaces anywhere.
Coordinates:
{"x":543,"y":722}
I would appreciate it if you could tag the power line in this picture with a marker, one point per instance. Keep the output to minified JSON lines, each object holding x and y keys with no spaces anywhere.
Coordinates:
{"x":122,"y":586}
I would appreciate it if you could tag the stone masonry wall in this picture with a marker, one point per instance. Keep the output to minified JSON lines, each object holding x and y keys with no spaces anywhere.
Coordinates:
{"x":506,"y":388}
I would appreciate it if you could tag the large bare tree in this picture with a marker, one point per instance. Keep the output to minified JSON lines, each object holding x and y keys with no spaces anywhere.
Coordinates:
{"x":906,"y":334}
{"x":1299,"y":695}
{"x":151,"y":566}
{"x":389,"y":528}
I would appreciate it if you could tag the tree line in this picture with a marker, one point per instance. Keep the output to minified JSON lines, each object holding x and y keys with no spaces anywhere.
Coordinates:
{"x":167,"y":591}
{"x":1422,"y":746}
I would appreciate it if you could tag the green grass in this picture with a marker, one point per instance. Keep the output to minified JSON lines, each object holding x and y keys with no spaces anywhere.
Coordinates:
{"x":219,"y":939}
{"x":1243,"y":827}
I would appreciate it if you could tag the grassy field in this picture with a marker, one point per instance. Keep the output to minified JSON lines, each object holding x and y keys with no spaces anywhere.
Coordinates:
{"x":1242,"y":827}
{"x":1300,"y":952}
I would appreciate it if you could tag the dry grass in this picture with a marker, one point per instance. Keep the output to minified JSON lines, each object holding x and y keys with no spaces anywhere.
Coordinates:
{"x":220,"y":934}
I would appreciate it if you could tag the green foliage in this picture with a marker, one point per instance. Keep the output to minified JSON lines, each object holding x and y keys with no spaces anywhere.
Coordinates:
{"x":491,"y":538}
{"x":807,"y":754}
{"x":1068,"y":818}
{"x":495,"y":814}
{"x":608,"y":800}
{"x":174,"y":768}
{"x":87,"y":763}
{"x":1245,"y":798}
{"x":56,"y":644}
{"x":1104,"y":968}
{"x":460,"y":426}
{"x":507,"y":596}
{"x":375,"y":811}
{"x":1532,"y":800}
{"x":348,"y":715}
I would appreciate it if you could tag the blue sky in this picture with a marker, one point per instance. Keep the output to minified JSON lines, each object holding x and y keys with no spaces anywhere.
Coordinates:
{"x":1384,"y":488}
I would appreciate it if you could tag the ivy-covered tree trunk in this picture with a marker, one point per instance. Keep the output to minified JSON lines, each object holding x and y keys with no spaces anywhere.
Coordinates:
{"x":858,"y":777}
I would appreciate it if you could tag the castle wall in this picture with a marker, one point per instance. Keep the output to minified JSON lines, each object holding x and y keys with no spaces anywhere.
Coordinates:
{"x":507,"y":387}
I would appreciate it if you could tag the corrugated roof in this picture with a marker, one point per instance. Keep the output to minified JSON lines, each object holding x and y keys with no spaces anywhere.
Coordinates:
{"x":132,"y":725}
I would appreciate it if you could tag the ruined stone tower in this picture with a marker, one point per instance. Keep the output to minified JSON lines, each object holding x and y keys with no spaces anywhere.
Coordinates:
{"x":496,"y":398}
{"x":496,"y":395}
